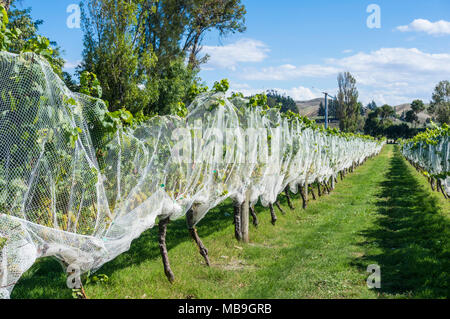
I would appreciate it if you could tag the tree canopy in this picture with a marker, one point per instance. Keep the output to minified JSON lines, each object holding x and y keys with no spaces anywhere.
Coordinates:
{"x":348,"y":107}
{"x":440,"y":103}
{"x":417,"y":106}
{"x":138,"y":49}
{"x":287,"y":103}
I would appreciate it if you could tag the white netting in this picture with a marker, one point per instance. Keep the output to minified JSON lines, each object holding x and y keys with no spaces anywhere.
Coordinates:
{"x":67,"y":192}
{"x":432,"y":156}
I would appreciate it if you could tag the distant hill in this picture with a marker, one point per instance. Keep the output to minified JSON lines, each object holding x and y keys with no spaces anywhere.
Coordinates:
{"x":423,"y":116}
{"x":310,"y":108}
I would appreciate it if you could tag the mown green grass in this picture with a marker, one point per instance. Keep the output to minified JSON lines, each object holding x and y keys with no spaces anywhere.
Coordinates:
{"x":384,"y":213}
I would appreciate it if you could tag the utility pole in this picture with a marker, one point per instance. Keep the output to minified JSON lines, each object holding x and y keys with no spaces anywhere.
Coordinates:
{"x":326,"y":107}
{"x":326,"y":110}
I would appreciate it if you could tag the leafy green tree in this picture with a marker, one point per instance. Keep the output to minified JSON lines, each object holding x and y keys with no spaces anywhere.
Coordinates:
{"x":417,"y":106}
{"x":321,"y":110}
{"x":375,"y":127}
{"x":21,"y":35}
{"x":372,"y":106}
{"x":411,"y":117}
{"x":372,"y":125}
{"x":274,"y":99}
{"x":221,"y":86}
{"x":386,"y":112}
{"x":224,"y":16}
{"x":362,"y":109}
{"x":6,"y":34}
{"x":90,"y":85}
{"x":196,"y":89}
{"x":112,"y":51}
{"x":174,"y":31}
{"x":138,"y":48}
{"x":440,"y":103}
{"x":21,"y":19}
{"x":332,"y":108}
{"x":172,"y":84}
{"x":398,"y":131}
{"x":348,"y":107}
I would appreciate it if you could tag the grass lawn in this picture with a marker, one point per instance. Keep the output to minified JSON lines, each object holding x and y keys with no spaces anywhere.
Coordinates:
{"x":384,"y":213}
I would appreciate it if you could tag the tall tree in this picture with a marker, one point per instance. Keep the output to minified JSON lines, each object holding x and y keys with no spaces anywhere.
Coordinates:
{"x":386,"y":112}
{"x":28,"y":38}
{"x":372,"y":124}
{"x":440,"y":103}
{"x":348,"y":108}
{"x":113,"y":40}
{"x":225,"y":16}
{"x":332,"y":108}
{"x":138,"y":48}
{"x":411,"y":117}
{"x":275,"y":99}
{"x":372,"y":106}
{"x":417,"y":106}
{"x":321,"y":110}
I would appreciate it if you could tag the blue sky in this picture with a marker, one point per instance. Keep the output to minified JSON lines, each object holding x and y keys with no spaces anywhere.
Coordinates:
{"x":298,"y":47}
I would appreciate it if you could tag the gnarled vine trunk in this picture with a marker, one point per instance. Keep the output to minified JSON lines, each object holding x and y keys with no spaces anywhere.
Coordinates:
{"x":237,"y":220}
{"x":163,"y":248}
{"x":272,"y":214}
{"x":288,"y":197}
{"x":304,"y":194}
{"x":311,"y":189}
{"x":279,"y":207}
{"x":254,"y":217}
{"x":193,"y":232}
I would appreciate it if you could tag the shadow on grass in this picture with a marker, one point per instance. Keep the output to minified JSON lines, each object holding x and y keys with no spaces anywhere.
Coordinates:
{"x":411,"y":239}
{"x":47,"y":280}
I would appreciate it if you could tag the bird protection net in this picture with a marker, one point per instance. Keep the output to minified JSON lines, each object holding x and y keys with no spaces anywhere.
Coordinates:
{"x":70,"y":190}
{"x":432,"y":154}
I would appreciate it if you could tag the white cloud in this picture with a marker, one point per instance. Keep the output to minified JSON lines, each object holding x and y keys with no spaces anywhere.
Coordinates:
{"x":441,"y":27}
{"x":288,"y":72}
{"x":388,"y":75}
{"x":300,"y":93}
{"x":347,"y":51}
{"x":394,"y":67}
{"x":71,"y":65}
{"x":228,"y":56}
{"x":392,"y":74}
{"x":396,"y":75}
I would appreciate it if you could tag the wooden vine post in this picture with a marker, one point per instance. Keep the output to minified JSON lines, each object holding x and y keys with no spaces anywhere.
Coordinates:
{"x":245,"y":217}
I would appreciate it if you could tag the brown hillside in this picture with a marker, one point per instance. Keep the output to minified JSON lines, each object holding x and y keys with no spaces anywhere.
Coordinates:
{"x":311,"y":109}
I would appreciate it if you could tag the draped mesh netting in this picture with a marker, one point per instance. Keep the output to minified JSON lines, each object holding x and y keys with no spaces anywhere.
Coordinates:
{"x":67,"y":192}
{"x":434,"y":158}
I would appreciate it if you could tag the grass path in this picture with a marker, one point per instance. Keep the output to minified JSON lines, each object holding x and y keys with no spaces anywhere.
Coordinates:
{"x":384,"y":213}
